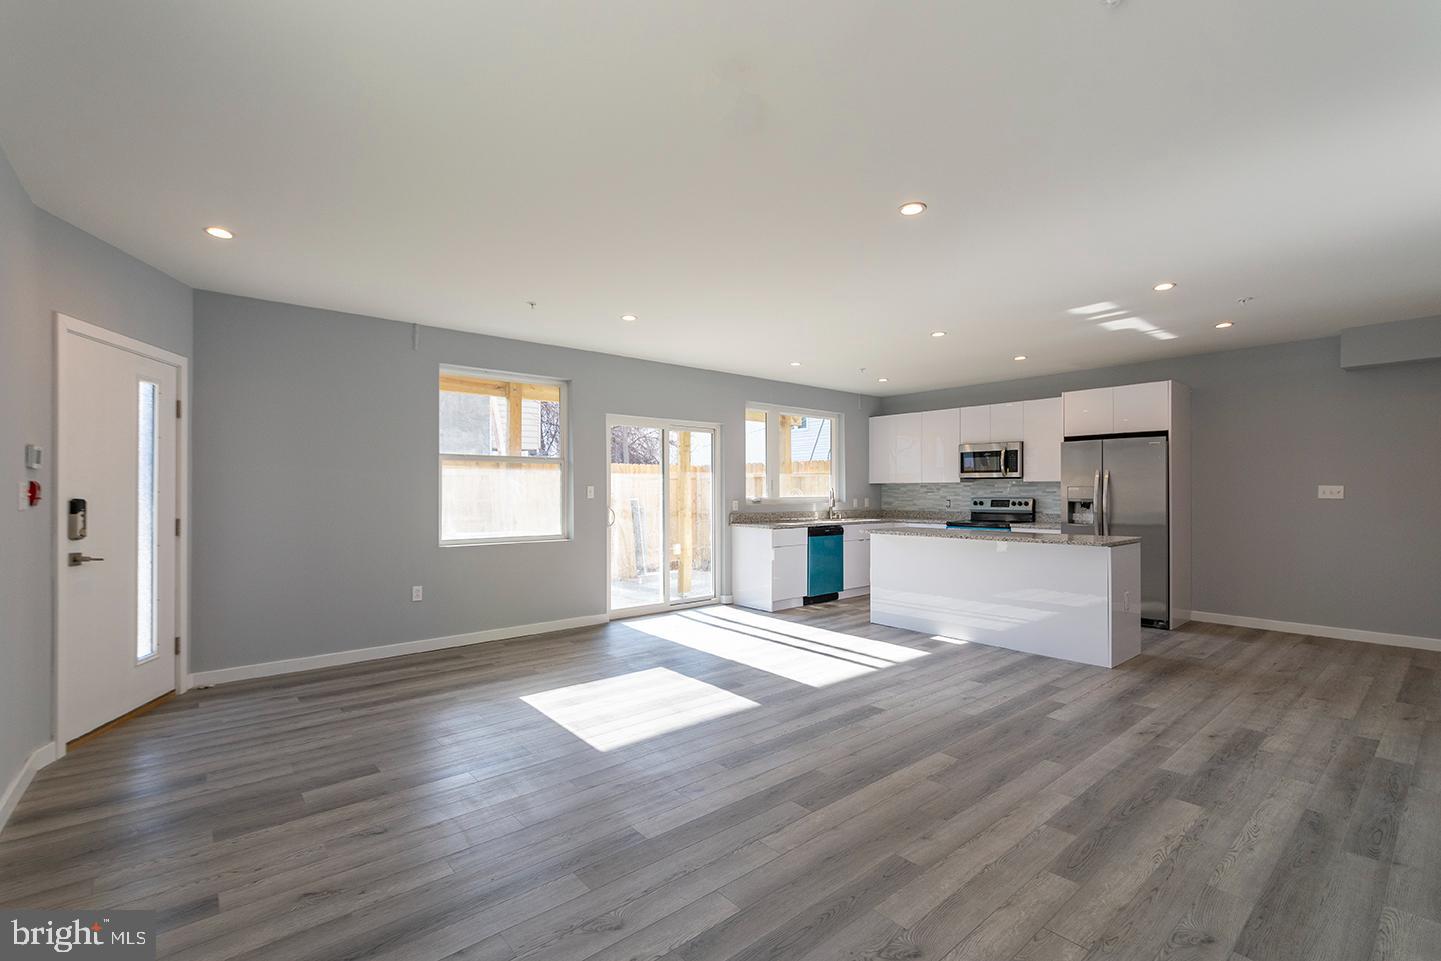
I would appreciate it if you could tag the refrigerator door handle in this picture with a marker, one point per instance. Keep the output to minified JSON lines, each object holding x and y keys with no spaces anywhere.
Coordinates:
{"x":1106,"y":497}
{"x":1096,"y":501}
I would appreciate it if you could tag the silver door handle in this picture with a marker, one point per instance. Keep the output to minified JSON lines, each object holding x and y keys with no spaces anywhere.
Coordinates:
{"x":77,"y":558}
{"x":1096,"y":502}
{"x":611,"y":512}
{"x":1106,"y":495}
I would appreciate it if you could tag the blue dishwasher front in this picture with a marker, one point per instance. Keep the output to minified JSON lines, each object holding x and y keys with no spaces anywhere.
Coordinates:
{"x":824,"y":563}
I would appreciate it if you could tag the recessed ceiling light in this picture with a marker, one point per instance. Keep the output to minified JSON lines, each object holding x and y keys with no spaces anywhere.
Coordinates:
{"x":627,"y":317}
{"x":882,"y":380}
{"x":219,"y":233}
{"x":1019,"y":357}
{"x":912,"y":207}
{"x":1223,"y":325}
{"x":938,"y":333}
{"x":795,"y":363}
{"x":1165,"y":285}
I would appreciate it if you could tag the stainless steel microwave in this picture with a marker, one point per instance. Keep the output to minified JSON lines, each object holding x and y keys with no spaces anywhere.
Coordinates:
{"x":996,"y":459}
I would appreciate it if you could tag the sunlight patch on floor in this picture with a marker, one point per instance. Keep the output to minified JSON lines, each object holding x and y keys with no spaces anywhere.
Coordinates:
{"x":790,"y":660}
{"x":628,"y":708}
{"x":824,"y":640}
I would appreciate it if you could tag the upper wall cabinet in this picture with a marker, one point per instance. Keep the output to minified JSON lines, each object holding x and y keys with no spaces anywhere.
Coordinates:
{"x":940,"y":443}
{"x":1089,"y":411}
{"x":924,"y":447}
{"x":975,"y":424}
{"x":1143,"y":407}
{"x":1041,"y":433}
{"x":1129,"y":409}
{"x":1007,"y":421}
{"x":896,"y":449}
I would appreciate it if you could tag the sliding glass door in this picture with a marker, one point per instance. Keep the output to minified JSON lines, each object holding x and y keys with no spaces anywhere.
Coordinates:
{"x":662,"y":514}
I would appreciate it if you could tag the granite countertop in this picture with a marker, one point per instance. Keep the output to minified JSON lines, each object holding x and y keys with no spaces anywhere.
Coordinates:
{"x":788,"y":521}
{"x":784,"y":524}
{"x":1019,"y":537}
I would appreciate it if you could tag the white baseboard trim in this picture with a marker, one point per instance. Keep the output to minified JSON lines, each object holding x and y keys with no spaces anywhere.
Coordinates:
{"x":1321,"y":630}
{"x":246,"y":672}
{"x":38,"y":758}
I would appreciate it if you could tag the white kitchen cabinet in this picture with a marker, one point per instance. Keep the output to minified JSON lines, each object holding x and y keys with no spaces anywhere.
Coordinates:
{"x":788,"y":571}
{"x":1089,"y":411}
{"x":1142,"y":407}
{"x":856,"y":563}
{"x":768,"y":567}
{"x":1128,"y":409}
{"x":940,"y":443}
{"x":896,"y":445}
{"x":976,"y":424}
{"x":1006,"y":421}
{"x":1042,"y":434}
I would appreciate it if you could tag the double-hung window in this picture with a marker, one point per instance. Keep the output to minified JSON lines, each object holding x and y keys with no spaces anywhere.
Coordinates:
{"x":791,"y":454}
{"x":503,"y":457}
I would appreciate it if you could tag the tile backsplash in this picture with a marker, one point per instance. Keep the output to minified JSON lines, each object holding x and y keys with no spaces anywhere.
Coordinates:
{"x":933,"y":496}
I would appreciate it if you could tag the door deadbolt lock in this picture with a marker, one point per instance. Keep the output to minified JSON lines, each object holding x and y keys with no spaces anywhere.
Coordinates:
{"x":75,"y":525}
{"x":77,"y":558}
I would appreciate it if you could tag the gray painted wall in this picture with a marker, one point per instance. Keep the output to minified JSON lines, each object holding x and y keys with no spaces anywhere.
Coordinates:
{"x":24,"y":536}
{"x":316,"y":493}
{"x":1269,"y":424}
{"x":1399,"y":342}
{"x":47,"y":265}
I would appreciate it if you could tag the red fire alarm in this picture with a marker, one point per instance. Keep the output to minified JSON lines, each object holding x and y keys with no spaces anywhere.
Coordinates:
{"x":32,"y":493}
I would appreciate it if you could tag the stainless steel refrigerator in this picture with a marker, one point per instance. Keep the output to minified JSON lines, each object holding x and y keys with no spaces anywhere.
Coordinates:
{"x":1120,"y":486}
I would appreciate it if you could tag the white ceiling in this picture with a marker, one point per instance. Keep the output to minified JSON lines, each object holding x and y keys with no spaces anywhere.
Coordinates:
{"x":730,"y":171}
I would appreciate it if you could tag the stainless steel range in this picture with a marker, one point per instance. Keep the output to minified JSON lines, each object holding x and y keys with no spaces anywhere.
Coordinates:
{"x":998,"y":513}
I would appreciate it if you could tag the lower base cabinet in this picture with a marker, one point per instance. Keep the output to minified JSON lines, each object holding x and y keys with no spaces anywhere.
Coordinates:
{"x":857,"y":560}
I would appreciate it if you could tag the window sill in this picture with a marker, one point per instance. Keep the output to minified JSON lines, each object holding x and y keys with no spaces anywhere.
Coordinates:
{"x":495,"y":541}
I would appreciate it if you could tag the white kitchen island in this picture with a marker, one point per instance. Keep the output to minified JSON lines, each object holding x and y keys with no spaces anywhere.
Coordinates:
{"x":1074,"y":597}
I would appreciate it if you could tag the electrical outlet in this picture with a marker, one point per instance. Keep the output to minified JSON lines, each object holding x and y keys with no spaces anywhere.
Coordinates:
{"x":868,"y":502}
{"x":1331,"y":492}
{"x":590,"y":492}
{"x":735,"y":505}
{"x":1126,"y":603}
{"x":417,"y":593}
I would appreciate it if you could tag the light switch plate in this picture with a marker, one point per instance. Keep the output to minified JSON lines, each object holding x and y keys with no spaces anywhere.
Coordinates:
{"x":1331,"y":492}
{"x":590,"y":492}
{"x":417,"y":593}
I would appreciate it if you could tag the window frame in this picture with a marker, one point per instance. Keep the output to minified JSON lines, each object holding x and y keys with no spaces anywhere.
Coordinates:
{"x":773,"y":414}
{"x":567,"y":526}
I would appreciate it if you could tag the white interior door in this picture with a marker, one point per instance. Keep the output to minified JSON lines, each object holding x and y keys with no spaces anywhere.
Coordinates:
{"x":116,"y":585}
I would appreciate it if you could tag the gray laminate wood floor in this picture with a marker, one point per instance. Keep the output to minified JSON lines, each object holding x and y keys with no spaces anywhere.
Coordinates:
{"x":721,"y":784}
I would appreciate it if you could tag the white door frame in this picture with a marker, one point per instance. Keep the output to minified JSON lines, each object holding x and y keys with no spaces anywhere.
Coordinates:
{"x":66,"y":326}
{"x":718,"y":552}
